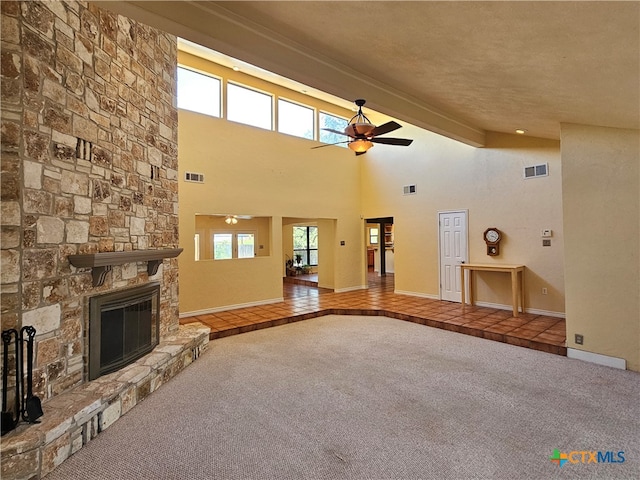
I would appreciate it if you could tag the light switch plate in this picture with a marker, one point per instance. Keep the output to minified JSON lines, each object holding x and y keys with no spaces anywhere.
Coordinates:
{"x":546,"y":232}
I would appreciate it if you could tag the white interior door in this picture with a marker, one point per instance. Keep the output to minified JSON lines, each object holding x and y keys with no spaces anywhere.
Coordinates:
{"x":453,"y":252}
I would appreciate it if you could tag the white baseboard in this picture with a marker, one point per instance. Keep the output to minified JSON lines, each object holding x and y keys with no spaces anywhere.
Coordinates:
{"x":535,"y":311}
{"x":417,"y":294}
{"x":230,"y":307}
{"x":350,"y":289}
{"x":605,"y":360}
{"x":548,"y":313}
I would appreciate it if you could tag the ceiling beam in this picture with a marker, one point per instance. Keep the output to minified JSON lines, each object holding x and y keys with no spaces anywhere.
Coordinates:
{"x":211,"y":25}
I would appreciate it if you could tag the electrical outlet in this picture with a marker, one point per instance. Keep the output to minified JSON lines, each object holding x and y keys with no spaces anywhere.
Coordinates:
{"x":544,"y":290}
{"x":579,"y":339}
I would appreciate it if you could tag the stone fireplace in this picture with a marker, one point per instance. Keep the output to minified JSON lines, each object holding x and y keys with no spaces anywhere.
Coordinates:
{"x":89,"y":168}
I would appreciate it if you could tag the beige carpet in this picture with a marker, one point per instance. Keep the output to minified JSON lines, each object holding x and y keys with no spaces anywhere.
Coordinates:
{"x":371,"y":398}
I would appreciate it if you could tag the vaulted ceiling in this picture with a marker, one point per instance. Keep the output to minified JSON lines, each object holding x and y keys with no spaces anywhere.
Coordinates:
{"x":456,"y":68}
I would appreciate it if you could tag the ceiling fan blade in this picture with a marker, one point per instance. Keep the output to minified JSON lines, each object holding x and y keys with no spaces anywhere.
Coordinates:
{"x":405,"y":142}
{"x":338,"y":132}
{"x":384,"y":128}
{"x":329,"y":144}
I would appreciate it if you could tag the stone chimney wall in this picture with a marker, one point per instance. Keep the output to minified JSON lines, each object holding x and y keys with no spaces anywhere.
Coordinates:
{"x":89,"y":164}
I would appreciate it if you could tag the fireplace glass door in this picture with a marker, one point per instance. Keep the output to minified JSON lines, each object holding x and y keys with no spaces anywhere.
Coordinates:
{"x":123,"y":327}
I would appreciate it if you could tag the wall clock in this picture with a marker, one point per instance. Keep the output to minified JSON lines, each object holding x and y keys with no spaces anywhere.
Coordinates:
{"x":492,"y":237}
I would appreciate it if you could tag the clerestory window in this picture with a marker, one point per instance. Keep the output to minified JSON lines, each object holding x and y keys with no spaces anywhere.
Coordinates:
{"x":249,"y":106}
{"x":326,"y":120}
{"x":198,"y":92}
{"x":295,"y":119}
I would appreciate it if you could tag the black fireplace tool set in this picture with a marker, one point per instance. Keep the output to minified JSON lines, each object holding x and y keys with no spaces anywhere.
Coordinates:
{"x":27,"y":405}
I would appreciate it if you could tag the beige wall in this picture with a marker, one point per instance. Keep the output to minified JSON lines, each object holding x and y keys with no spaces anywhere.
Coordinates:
{"x":250,"y":171}
{"x":328,"y":247}
{"x":257,"y":172}
{"x":487,"y":182}
{"x":601,"y":201}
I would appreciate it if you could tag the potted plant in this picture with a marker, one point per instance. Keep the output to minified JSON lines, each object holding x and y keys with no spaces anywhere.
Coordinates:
{"x":298,"y":263}
{"x":289,"y":267}
{"x":306,"y":269}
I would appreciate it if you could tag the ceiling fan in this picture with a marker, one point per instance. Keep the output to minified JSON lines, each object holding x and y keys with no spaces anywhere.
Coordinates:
{"x":233,"y":219}
{"x":363,"y":133}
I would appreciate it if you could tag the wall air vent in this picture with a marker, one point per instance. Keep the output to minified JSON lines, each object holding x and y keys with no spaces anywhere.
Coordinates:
{"x":194,"y":177}
{"x":541,"y":170}
{"x":409,"y":189}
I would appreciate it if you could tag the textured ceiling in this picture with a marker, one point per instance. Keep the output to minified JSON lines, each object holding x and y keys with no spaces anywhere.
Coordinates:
{"x":457,"y":68}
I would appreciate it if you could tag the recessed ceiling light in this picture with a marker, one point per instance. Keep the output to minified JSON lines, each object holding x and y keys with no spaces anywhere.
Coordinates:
{"x":521,"y":131}
{"x":236,"y":69}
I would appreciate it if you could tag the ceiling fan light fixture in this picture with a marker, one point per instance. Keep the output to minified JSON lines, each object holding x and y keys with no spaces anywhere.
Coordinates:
{"x":360,"y":145}
{"x":231,"y":219}
{"x":359,"y":123}
{"x":355,"y":129}
{"x":363,"y":134}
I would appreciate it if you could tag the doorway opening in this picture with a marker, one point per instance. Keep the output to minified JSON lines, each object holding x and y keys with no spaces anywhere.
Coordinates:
{"x":380,"y":246}
{"x":308,"y":251}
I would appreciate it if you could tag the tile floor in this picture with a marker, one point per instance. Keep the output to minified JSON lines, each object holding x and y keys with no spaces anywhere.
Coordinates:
{"x":302,"y":301}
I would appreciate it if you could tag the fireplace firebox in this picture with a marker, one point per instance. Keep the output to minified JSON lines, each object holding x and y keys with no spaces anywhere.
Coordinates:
{"x":123,"y":326}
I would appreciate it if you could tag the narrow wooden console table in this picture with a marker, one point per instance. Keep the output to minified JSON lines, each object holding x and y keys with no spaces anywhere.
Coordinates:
{"x":517,"y":281}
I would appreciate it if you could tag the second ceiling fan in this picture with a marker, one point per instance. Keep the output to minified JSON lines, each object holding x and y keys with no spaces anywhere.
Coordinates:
{"x":363,"y":134}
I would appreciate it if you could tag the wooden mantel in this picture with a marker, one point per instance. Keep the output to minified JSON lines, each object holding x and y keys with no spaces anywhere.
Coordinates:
{"x":101,"y":263}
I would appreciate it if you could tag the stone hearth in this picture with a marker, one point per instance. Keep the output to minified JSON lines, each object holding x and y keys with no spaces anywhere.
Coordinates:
{"x":75,"y":417}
